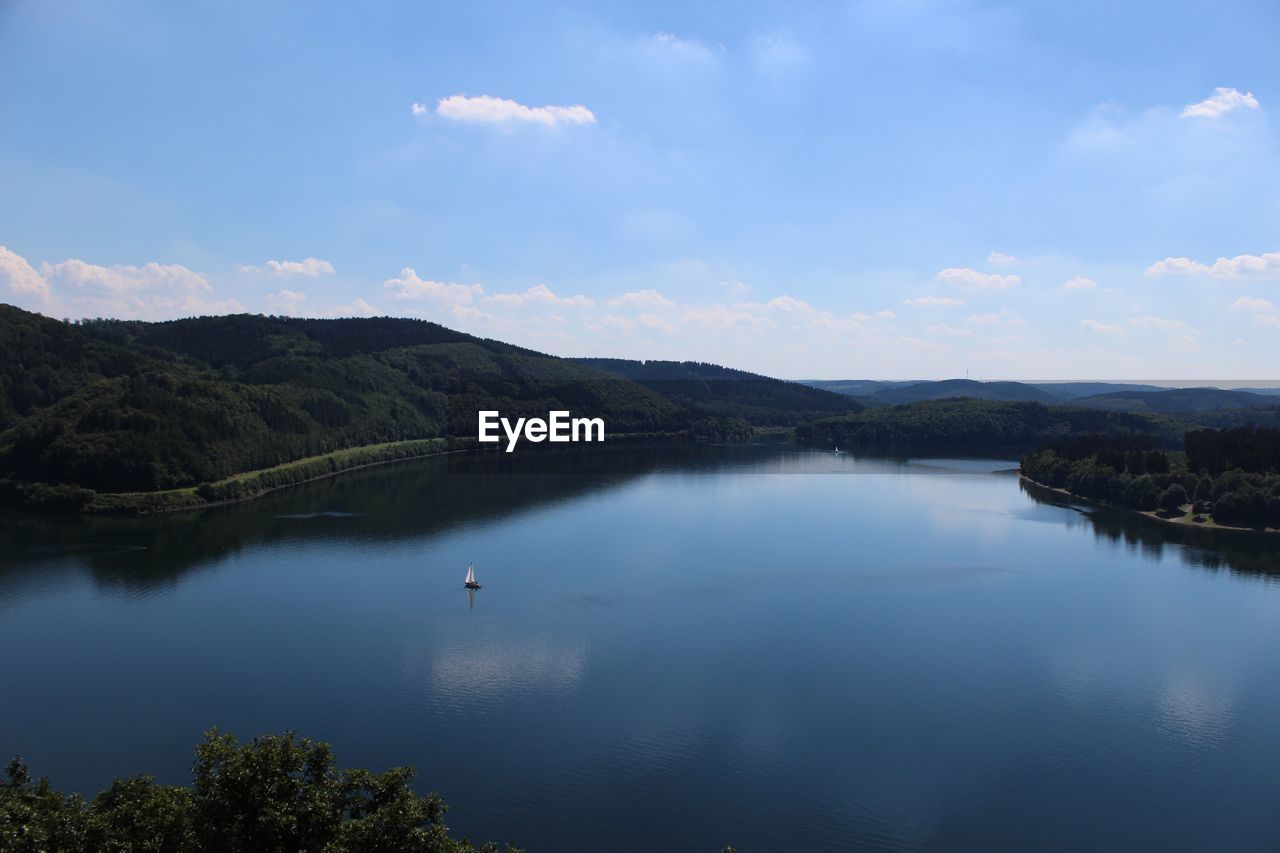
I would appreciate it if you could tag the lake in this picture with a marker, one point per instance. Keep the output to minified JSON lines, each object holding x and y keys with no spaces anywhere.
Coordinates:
{"x":678,"y":650}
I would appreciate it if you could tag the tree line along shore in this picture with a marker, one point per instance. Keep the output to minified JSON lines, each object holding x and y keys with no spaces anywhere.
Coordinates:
{"x":1227,"y":478}
{"x":130,"y":416}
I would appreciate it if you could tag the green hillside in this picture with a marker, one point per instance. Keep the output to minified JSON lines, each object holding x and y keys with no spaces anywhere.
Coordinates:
{"x":1177,"y":401}
{"x":130,"y":407}
{"x":977,"y":424}
{"x":953,"y":388}
{"x":724,"y":392}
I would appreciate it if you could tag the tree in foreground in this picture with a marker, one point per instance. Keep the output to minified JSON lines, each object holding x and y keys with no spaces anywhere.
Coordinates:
{"x":277,"y":794}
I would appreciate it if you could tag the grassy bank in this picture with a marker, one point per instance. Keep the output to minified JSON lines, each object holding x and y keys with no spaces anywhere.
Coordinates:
{"x":252,"y":484}
{"x":1184,"y":514}
{"x":41,"y":497}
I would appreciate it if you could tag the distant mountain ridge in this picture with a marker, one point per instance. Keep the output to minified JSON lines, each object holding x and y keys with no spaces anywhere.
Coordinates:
{"x":1119,"y":396}
{"x":1175,"y":401}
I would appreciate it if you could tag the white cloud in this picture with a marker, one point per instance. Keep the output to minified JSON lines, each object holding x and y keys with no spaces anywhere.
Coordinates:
{"x":648,"y":297}
{"x":1263,"y":310}
{"x":671,"y":47}
{"x":355,"y":308}
{"x":983,"y":319}
{"x":285,"y":302}
{"x":964,"y":277}
{"x":1184,"y":343}
{"x":309,"y":267}
{"x":788,"y":304}
{"x":149,"y":292}
{"x":410,"y":286}
{"x":611,"y":322}
{"x":418,"y":109}
{"x":1156,"y":323}
{"x":74,"y":288}
{"x":1101,"y":328}
{"x":539,"y":293}
{"x":948,"y":331}
{"x":1001,"y":259}
{"x":1222,"y":101}
{"x":725,"y":317}
{"x":1257,"y":306}
{"x":21,"y":279}
{"x":932,"y":301}
{"x":490,"y":110}
{"x":885,"y":314}
{"x":800,"y":314}
{"x":653,"y":321}
{"x":1080,"y":283}
{"x":1266,"y":265}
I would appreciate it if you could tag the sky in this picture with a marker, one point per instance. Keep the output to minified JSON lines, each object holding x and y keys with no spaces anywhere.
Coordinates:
{"x":887,"y":190}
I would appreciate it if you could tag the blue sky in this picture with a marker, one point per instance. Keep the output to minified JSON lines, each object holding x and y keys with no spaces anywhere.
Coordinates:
{"x":861,"y":189}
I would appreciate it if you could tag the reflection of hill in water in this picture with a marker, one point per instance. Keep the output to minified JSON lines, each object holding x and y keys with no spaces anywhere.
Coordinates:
{"x":1237,"y":551}
{"x":410,"y":499}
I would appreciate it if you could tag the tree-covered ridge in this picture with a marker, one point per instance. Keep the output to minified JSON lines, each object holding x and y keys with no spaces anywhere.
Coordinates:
{"x":1009,"y":392}
{"x":1230,"y":477}
{"x":1177,"y":401}
{"x":979,"y":423}
{"x":276,"y":794}
{"x":130,"y":406}
{"x":724,"y":392}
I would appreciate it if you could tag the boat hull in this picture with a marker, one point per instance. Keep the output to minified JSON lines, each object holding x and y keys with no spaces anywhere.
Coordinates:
{"x":471,"y":585}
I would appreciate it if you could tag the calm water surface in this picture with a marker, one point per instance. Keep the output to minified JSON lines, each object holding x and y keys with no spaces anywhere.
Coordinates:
{"x":674,"y":651}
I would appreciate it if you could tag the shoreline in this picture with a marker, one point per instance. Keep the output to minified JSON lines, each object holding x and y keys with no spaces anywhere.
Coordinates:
{"x":242,"y":488}
{"x":188,"y":498}
{"x":1183,"y":520}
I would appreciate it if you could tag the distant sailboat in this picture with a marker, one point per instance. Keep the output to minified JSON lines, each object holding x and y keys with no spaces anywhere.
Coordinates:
{"x":839,"y":452}
{"x":471,"y":582}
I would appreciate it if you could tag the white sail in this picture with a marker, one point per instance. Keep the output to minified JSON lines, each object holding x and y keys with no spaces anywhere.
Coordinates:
{"x":471,"y":573}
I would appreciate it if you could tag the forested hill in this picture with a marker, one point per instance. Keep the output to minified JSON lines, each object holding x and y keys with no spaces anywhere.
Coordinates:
{"x":724,"y":391}
{"x":984,"y":424}
{"x":1177,"y":401}
{"x":132,"y":406}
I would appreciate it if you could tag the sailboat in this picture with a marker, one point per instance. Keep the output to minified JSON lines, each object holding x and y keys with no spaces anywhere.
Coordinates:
{"x":839,"y":452}
{"x":471,"y":582}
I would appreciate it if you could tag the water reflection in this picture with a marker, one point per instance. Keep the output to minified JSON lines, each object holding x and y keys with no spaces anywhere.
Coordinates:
{"x":1194,"y":711}
{"x":1237,"y":551}
{"x":473,"y":672}
{"x":424,"y":497}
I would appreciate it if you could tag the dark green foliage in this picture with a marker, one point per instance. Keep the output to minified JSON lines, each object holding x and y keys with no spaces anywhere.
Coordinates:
{"x":1159,"y":480}
{"x":1204,"y":489}
{"x":114,"y":406}
{"x":1173,"y":497}
{"x":725,"y":392}
{"x":1176,"y":401}
{"x":1247,"y":448}
{"x":1010,"y":392}
{"x":980,"y":423}
{"x":277,"y":794}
